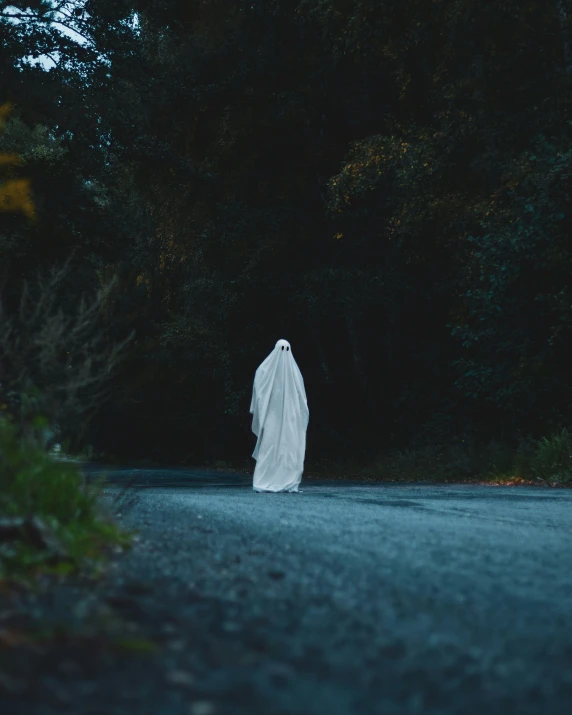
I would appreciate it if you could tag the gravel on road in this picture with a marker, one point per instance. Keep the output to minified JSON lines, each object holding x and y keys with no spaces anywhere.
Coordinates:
{"x":339,"y":600}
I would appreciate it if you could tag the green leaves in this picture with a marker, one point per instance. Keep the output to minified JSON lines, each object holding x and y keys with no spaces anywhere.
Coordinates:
{"x":552,"y":459}
{"x":51,"y":519}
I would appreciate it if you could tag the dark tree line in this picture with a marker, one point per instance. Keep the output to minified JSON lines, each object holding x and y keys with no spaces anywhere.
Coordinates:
{"x":383,"y":183}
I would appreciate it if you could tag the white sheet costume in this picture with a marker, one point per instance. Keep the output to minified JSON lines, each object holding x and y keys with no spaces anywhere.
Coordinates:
{"x":280,"y":418}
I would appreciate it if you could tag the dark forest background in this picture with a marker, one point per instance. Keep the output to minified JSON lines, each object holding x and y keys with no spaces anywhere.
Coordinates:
{"x":384,"y":183}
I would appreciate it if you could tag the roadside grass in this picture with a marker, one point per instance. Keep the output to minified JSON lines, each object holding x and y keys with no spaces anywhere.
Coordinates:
{"x":51,"y":521}
{"x":544,"y":462}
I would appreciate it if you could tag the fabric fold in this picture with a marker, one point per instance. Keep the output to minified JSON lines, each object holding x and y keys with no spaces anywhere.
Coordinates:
{"x":280,"y":418}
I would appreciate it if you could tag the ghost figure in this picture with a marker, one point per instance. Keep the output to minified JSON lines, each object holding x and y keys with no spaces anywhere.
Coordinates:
{"x":280,"y":418}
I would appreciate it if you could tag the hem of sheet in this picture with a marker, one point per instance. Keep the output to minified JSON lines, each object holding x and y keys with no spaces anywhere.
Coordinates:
{"x":275,"y":491}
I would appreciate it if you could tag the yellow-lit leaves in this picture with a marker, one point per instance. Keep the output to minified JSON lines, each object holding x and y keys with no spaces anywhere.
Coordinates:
{"x":9,"y":159}
{"x":368,"y":163}
{"x":15,"y":194}
{"x":5,"y":110}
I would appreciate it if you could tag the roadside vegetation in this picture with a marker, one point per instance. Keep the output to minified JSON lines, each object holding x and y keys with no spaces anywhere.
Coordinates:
{"x":52,"y":522}
{"x":544,"y":462}
{"x":55,"y":364}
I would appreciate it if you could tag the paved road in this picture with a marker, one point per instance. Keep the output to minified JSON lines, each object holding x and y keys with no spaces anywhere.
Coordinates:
{"x":349,"y":599}
{"x":344,"y":599}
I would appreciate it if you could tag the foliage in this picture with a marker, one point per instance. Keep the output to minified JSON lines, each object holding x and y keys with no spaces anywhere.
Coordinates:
{"x":54,"y":360}
{"x":15,"y":192}
{"x":533,"y":462}
{"x":552,"y":459}
{"x":70,"y":531}
{"x":383,"y":183}
{"x":460,"y":460}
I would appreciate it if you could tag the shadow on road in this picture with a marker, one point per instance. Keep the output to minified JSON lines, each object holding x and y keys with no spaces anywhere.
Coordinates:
{"x":180,"y":477}
{"x":165,"y":477}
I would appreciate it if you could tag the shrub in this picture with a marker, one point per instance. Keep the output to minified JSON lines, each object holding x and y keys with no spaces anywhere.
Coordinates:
{"x":55,"y":359}
{"x":51,"y":519}
{"x":552,"y":458}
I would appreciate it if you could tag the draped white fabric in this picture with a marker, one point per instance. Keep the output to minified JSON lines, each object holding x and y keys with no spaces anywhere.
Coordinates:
{"x":280,"y":418}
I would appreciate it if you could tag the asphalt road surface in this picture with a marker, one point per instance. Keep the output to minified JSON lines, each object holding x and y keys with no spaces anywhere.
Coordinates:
{"x":344,"y":599}
{"x":349,"y":599}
